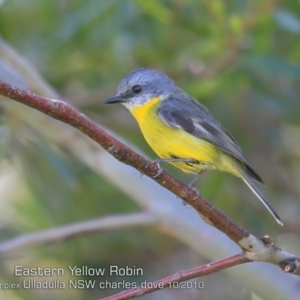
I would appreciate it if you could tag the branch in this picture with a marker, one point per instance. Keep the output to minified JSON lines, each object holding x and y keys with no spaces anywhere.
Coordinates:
{"x":56,"y":235}
{"x":254,"y":248}
{"x":289,"y":264}
{"x":169,"y":282}
{"x":62,"y":111}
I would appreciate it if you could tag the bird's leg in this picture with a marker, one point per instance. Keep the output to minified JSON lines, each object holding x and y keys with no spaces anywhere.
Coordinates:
{"x":197,"y":177}
{"x":190,"y":160}
{"x":193,"y":182}
{"x":167,"y":160}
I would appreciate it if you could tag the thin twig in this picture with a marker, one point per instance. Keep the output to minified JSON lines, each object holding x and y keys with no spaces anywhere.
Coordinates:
{"x":169,"y":282}
{"x":58,"y":234}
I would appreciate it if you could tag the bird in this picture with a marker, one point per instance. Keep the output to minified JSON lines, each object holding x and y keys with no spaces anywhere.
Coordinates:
{"x":182,"y":131}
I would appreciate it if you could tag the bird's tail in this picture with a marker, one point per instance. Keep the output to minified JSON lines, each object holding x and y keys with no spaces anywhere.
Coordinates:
{"x":247,"y":178}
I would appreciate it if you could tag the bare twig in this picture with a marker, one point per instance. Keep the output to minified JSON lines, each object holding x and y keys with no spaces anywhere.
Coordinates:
{"x":169,"y":282}
{"x":267,"y":247}
{"x":55,"y":235}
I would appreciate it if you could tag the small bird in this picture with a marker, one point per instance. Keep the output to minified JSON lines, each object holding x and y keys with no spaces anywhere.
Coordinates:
{"x":182,"y":131}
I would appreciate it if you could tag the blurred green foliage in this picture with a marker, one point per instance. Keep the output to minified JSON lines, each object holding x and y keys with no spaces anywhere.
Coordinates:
{"x":240,"y":58}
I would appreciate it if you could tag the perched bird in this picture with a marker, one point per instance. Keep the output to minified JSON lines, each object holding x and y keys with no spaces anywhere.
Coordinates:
{"x":182,"y":131}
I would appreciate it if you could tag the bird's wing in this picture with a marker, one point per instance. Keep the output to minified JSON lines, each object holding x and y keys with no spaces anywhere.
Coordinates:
{"x":195,"y":119}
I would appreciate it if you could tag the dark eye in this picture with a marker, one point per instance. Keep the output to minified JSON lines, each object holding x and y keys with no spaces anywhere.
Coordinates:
{"x":137,"y":89}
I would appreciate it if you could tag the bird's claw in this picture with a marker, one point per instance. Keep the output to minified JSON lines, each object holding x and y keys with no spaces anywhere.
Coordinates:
{"x":160,"y":169}
{"x":198,"y":193}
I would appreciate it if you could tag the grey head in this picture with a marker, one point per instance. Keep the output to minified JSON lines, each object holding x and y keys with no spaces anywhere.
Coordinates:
{"x":141,"y":85}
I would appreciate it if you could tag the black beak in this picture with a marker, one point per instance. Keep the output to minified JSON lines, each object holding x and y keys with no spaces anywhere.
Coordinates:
{"x":113,"y":100}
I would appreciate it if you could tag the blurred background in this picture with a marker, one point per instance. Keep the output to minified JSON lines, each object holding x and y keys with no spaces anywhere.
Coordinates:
{"x":239,"y":58}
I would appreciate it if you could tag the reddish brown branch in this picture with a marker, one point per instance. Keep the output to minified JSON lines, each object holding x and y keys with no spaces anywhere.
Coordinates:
{"x":64,"y":112}
{"x":169,"y":282}
{"x":254,"y":248}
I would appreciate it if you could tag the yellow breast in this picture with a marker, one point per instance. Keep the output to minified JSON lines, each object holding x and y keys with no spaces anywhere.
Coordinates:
{"x":170,"y":142}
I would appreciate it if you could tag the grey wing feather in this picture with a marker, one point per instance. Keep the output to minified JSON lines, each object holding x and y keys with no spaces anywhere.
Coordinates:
{"x":196,"y":120}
